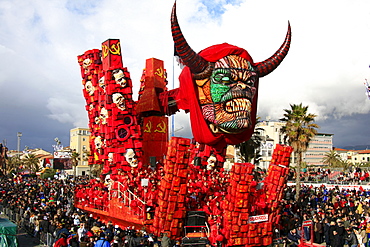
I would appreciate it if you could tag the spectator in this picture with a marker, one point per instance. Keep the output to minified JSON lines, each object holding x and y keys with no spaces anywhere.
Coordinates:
{"x":294,"y":237}
{"x":351,"y":238}
{"x":102,"y":242}
{"x":336,"y":240}
{"x":62,"y":241}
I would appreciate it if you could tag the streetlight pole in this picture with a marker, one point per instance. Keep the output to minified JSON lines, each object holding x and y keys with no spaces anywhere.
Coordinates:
{"x":19,"y":135}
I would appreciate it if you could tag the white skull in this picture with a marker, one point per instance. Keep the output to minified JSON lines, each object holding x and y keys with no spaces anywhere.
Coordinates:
{"x":98,"y":142}
{"x":89,"y":88}
{"x":211,"y":162}
{"x":119,"y":77}
{"x":97,"y":120}
{"x":102,"y":83}
{"x":110,"y":157}
{"x":131,"y":157}
{"x":86,"y":63}
{"x":103,"y":115}
{"x":119,"y":100}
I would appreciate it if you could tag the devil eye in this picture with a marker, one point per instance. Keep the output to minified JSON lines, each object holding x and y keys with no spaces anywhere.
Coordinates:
{"x":222,"y":78}
{"x":250,"y":82}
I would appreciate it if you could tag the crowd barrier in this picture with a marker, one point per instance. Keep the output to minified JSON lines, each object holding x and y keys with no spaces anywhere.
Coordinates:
{"x":46,"y":239}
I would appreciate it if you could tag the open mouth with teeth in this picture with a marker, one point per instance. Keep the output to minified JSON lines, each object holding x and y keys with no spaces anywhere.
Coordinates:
{"x":237,"y":105}
{"x":233,"y":115}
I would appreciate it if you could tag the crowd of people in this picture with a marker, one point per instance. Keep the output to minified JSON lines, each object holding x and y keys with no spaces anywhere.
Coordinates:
{"x":354,"y":175}
{"x":332,"y":216}
{"x":45,"y":208}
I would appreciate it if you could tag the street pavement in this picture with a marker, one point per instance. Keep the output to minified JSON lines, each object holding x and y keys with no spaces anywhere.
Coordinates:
{"x":26,"y":240}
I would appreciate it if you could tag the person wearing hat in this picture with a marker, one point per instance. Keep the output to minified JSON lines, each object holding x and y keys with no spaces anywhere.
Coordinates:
{"x":102,"y":242}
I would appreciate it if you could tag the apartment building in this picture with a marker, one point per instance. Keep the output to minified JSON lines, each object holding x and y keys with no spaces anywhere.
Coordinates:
{"x":270,"y":133}
{"x":79,"y":142}
{"x":320,"y":145}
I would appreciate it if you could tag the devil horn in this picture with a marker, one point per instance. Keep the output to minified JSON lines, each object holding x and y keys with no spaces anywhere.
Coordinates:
{"x":267,"y":66}
{"x":200,"y":67}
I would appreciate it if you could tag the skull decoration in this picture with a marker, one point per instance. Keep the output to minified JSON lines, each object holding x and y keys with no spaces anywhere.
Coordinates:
{"x":131,"y":157}
{"x":86,"y":63}
{"x":211,"y":162}
{"x":103,"y":115}
{"x":102,"y":83}
{"x":97,"y":120}
{"x":223,"y":80}
{"x":119,"y":77}
{"x":110,"y":157}
{"x":98,"y":142}
{"x":119,"y":100}
{"x":90,"y":89}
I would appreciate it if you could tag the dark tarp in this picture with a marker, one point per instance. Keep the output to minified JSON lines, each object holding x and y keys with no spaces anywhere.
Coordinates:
{"x":8,"y":233}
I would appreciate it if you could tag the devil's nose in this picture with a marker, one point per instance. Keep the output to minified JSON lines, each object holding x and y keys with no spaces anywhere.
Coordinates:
{"x":241,"y":85}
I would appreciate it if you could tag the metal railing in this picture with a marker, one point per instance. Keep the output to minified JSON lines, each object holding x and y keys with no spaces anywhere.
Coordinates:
{"x":46,"y":239}
{"x":127,"y":196}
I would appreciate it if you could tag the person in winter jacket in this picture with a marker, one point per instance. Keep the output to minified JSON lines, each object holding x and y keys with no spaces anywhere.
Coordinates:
{"x":351,"y":238}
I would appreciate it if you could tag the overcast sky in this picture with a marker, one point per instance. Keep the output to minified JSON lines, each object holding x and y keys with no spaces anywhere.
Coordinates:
{"x":40,"y":82}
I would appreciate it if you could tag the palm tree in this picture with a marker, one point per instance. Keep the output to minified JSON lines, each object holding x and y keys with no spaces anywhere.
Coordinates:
{"x":12,"y":163}
{"x":32,"y":163}
{"x":332,"y":159}
{"x":250,"y":149}
{"x":75,"y":157}
{"x":345,"y":164}
{"x":299,"y":130}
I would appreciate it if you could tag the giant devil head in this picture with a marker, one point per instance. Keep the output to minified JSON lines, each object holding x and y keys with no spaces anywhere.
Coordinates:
{"x":219,"y":86}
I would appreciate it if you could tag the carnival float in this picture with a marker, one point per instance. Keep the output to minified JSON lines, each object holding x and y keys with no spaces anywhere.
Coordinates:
{"x":178,"y":185}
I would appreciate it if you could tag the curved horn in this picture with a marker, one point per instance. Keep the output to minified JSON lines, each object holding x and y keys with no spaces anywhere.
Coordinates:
{"x":267,"y":66}
{"x":197,"y":64}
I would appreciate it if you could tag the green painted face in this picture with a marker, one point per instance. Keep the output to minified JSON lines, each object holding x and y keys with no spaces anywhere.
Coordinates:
{"x":220,"y":80}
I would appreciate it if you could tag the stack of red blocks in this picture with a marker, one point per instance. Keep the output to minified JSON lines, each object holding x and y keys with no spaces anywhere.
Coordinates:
{"x":171,"y":209}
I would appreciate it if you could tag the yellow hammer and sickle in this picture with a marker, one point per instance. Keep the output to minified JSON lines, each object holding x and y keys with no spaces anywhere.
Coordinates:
{"x":115,"y":49}
{"x":159,"y":72}
{"x":105,"y":51}
{"x":148,"y":127}
{"x":161,"y":127}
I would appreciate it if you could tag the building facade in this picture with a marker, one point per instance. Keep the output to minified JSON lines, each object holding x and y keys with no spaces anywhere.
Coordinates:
{"x":79,"y":142}
{"x":320,"y":145}
{"x":270,"y":133}
{"x":360,"y":157}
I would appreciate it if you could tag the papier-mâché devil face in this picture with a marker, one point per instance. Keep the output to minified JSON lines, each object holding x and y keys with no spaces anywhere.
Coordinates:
{"x":226,"y":87}
{"x":226,"y":96}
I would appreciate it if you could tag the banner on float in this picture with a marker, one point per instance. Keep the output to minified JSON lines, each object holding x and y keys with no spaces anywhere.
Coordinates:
{"x":258,"y":218}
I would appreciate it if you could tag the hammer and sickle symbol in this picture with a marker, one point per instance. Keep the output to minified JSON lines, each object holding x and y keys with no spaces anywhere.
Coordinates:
{"x":105,"y":51}
{"x":115,"y":49}
{"x":159,"y":72}
{"x":161,"y":127}
{"x":148,"y":127}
